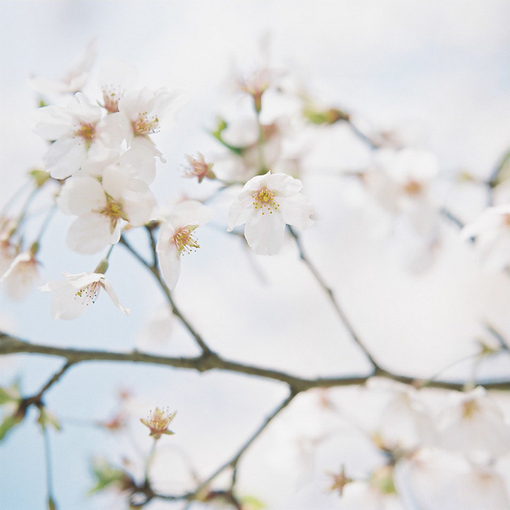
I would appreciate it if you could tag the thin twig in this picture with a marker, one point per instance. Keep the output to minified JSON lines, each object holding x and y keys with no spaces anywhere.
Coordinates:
{"x":336,"y":305}
{"x":154,"y":270}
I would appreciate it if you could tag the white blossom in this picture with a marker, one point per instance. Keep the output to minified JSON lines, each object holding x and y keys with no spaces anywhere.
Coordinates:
{"x":399,"y":184}
{"x":78,"y":291}
{"x":79,"y":131}
{"x":474,"y":426}
{"x":103,"y":207}
{"x":176,"y":237}
{"x":266,"y":203}
{"x":21,"y":276}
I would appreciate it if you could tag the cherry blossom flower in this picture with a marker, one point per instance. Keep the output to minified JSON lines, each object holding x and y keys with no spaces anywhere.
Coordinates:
{"x":474,"y":426}
{"x":266,"y":203}
{"x":176,"y":237}
{"x":400,"y":183}
{"x":199,"y":168}
{"x":140,"y":115}
{"x":77,"y":292}
{"x":78,"y":131}
{"x":102,"y":207}
{"x":75,"y":79}
{"x":492,"y":236}
{"x":158,"y":422}
{"x":21,"y":276}
{"x":115,"y":79}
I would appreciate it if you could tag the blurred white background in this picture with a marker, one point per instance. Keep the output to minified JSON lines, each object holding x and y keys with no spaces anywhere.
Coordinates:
{"x":437,"y":71}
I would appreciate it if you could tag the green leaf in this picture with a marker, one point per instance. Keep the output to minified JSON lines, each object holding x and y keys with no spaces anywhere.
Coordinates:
{"x":8,"y":423}
{"x":46,"y":418}
{"x":51,"y":504}
{"x":39,"y":177}
{"x":9,"y":395}
{"x":106,"y":475}
{"x":217,"y":133}
{"x":252,"y":503}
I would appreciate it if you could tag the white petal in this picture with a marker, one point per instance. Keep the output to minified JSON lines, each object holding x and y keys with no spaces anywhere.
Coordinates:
{"x":91,"y":233}
{"x":296,"y":211}
{"x":64,"y":157}
{"x":265,"y":232}
{"x":52,"y":122}
{"x":190,"y":212}
{"x":138,"y":202}
{"x":142,"y":156}
{"x":85,"y":112}
{"x":239,"y":211}
{"x":81,"y":195}
{"x":109,"y":289}
{"x":170,"y":264}
{"x":66,"y":304}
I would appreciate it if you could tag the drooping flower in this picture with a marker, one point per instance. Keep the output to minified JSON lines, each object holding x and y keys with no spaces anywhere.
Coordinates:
{"x":75,"y":78}
{"x":77,"y":292}
{"x":266,"y":203}
{"x":102,"y":207}
{"x":176,"y":237}
{"x":21,"y":276}
{"x":491,"y":231}
{"x":79,"y":131}
{"x":158,"y":422}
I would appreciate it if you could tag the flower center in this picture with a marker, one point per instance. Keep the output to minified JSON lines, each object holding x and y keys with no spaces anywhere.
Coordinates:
{"x":145,"y":125}
{"x":113,"y":210}
{"x":111,"y":98}
{"x":265,"y":201}
{"x":184,"y":239}
{"x":412,"y":187}
{"x":87,"y":132}
{"x":88,"y":294}
{"x":469,"y":409}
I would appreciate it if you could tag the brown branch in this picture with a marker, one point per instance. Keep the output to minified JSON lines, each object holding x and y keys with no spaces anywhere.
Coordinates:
{"x":336,"y":305}
{"x":205,"y":362}
{"x":154,"y":270}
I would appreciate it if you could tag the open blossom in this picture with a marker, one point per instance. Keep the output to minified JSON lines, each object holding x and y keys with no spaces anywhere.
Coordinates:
{"x":102,"y":207}
{"x":75,"y":79}
{"x":399,"y":185}
{"x":492,"y":236}
{"x":266,"y":203}
{"x":140,"y":113}
{"x":79,"y":131}
{"x":158,"y":422}
{"x":77,"y":292}
{"x":176,"y":237}
{"x":474,"y":426}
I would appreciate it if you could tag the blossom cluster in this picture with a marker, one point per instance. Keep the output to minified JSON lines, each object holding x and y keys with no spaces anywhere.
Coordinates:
{"x":422,"y":454}
{"x":103,"y":157}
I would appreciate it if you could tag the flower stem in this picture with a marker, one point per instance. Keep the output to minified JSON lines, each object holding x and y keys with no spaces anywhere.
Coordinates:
{"x":149,"y":460}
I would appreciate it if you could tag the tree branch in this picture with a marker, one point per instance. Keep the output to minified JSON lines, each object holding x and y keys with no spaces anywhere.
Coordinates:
{"x":13,"y":345}
{"x":336,"y":305}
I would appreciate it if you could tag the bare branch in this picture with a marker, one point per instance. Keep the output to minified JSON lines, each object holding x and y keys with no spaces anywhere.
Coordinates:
{"x":336,"y":305}
{"x":13,"y":345}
